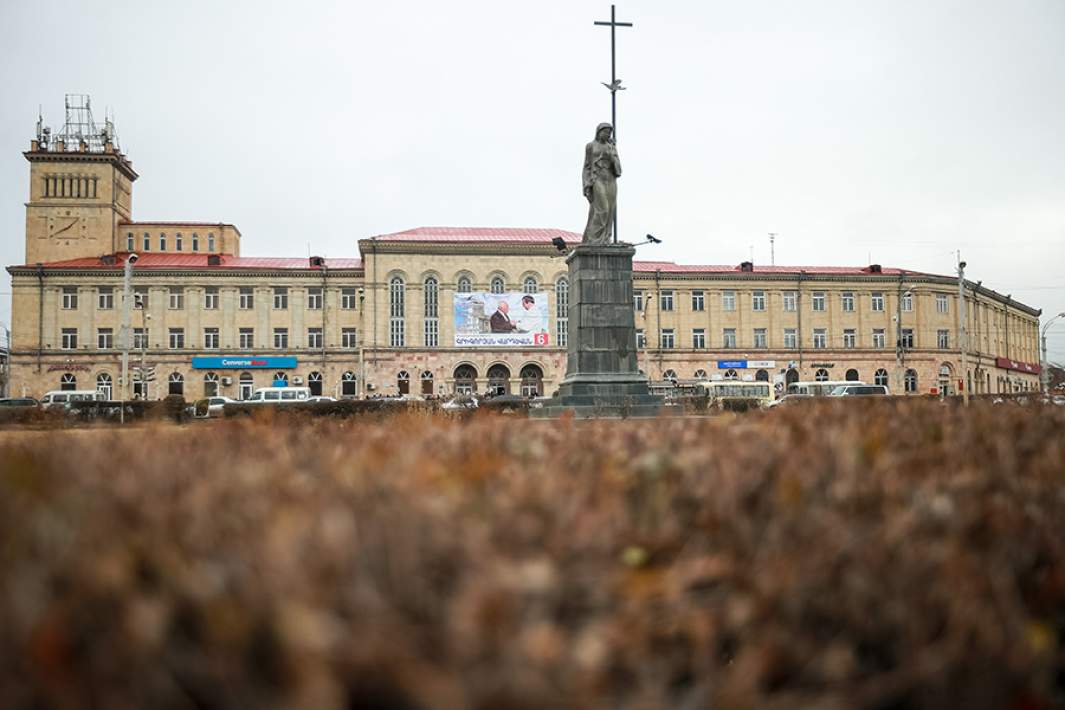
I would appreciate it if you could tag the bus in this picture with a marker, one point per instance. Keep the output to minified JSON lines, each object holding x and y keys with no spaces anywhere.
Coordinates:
{"x":819,"y":389}
{"x":728,"y":393}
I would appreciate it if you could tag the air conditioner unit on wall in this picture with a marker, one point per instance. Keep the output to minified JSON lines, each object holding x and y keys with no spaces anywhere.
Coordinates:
{"x":297,"y":380}
{"x":227,"y":380}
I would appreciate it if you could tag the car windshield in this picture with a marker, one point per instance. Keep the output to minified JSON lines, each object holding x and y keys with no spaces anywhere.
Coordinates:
{"x":842,"y":389}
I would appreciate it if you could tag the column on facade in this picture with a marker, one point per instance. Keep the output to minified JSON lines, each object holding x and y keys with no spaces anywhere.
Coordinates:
{"x":264,"y":297}
{"x":230,"y":334}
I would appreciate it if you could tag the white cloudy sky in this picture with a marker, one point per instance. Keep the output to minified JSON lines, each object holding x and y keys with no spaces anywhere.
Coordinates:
{"x":891,"y":130}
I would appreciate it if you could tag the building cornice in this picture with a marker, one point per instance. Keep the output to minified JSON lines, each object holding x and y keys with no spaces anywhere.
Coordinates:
{"x":117,"y":159}
{"x":371,"y":246}
{"x":143,"y":274}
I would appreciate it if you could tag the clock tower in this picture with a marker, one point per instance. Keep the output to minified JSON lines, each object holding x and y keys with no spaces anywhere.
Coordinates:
{"x":81,"y":188}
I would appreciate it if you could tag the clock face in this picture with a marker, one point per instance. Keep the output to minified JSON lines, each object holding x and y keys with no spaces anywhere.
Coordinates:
{"x":64,"y":226}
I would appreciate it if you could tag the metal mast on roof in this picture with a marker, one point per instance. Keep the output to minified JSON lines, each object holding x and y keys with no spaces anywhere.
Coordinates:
{"x":80,"y":128}
{"x":614,"y":86}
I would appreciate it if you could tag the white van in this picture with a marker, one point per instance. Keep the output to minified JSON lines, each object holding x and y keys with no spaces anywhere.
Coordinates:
{"x":819,"y":389}
{"x":60,"y":398}
{"x":279,"y":395}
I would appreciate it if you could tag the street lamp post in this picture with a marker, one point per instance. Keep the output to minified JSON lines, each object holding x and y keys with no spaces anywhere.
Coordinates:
{"x":1044,"y":373}
{"x":127,"y":306}
{"x":5,"y":366}
{"x":963,"y":337}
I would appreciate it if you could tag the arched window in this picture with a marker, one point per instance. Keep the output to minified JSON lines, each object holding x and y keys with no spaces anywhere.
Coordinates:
{"x":177,"y":242}
{"x":396,"y":311}
{"x":880,"y":377}
{"x":162,"y":242}
{"x":280,"y":379}
{"x":852,"y":375}
{"x":210,"y":385}
{"x":562,"y":311}
{"x":427,"y":382}
{"x":176,"y":383}
{"x":821,"y":375}
{"x":465,"y":379}
{"x":529,"y":285}
{"x":195,"y":241}
{"x":147,"y":241}
{"x":670,"y":375}
{"x":465,"y":285}
{"x":911,"y":381}
{"x":247,"y":385}
{"x":103,"y":384}
{"x":761,"y":376}
{"x":314,"y":381}
{"x":946,"y":379}
{"x":431,"y":294}
{"x":67,"y":381}
{"x":791,"y":376}
{"x":498,"y":285}
{"x":700,"y":374}
{"x":403,"y":382}
{"x":210,"y":242}
{"x":349,"y":386}
{"x":532,"y":381}
{"x":498,"y":379}
{"x":731,"y":374}
{"x":129,"y":241}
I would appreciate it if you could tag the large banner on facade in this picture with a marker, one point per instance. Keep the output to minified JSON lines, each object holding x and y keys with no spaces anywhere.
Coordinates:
{"x":493,"y":320}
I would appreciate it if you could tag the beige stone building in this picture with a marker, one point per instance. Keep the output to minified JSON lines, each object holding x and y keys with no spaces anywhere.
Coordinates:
{"x":382,"y":321}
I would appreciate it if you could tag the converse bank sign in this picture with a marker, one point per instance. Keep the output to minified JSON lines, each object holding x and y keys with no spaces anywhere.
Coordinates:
{"x":204,"y":362}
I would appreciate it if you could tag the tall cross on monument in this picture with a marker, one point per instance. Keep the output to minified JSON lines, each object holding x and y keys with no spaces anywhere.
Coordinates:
{"x":614,"y":84}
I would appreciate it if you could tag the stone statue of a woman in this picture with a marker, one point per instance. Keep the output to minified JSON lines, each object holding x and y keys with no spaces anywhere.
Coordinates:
{"x":602,"y":168}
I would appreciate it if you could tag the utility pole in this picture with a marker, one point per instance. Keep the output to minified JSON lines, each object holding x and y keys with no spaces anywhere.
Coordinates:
{"x":127,"y":305}
{"x":899,"y":377}
{"x":614,"y":86}
{"x":963,"y":336}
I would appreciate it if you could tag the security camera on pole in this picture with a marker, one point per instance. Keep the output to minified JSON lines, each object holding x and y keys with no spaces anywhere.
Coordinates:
{"x":127,"y":306}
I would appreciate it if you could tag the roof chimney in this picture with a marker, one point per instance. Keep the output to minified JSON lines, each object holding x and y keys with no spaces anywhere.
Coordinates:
{"x":214,"y":259}
{"x":108,"y":260}
{"x":747,"y":267}
{"x":317,"y":261}
{"x":875,"y":269}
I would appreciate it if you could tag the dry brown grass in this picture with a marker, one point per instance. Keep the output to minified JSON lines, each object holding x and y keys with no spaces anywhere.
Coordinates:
{"x":880,"y":555}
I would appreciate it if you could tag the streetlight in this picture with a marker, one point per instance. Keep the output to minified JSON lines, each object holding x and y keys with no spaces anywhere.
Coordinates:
{"x":5,"y":365}
{"x":127,"y":306}
{"x":1044,"y":373}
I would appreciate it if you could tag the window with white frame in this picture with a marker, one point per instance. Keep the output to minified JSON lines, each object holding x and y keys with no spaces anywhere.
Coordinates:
{"x":911,"y":381}
{"x":247,"y":338}
{"x":698,"y":338}
{"x":879,"y":339}
{"x":280,"y":338}
{"x":70,"y":298}
{"x":176,"y":338}
{"x":465,"y":285}
{"x":562,"y":310}
{"x":105,"y":338}
{"x":129,"y":241}
{"x":820,"y":338}
{"x":698,"y":301}
{"x":177,"y":298}
{"x":210,"y":242}
{"x":791,"y":338}
{"x":667,"y":300}
{"x":314,"y":338}
{"x":431,"y":305}
{"x":758,"y":300}
{"x":348,"y":297}
{"x":641,"y":339}
{"x":397,"y":311}
{"x":314,"y":298}
{"x":195,"y":241}
{"x":177,"y":241}
{"x":942,"y":303}
{"x":140,"y":338}
{"x":821,"y":375}
{"x":247,"y":298}
{"x":847,"y":301}
{"x":943,"y":339}
{"x":907,"y":302}
{"x":162,"y":242}
{"x":105,"y":297}
{"x":791,"y":298}
{"x":907,"y":338}
{"x":880,"y":377}
{"x":818,"y":300}
{"x":728,"y":300}
{"x":876,"y":300}
{"x":147,"y":241}
{"x":280,"y":298}
{"x":530,"y":285}
{"x":666,"y":338}
{"x":850,"y":338}
{"x":761,"y":338}
{"x":210,"y":298}
{"x":728,"y":338}
{"x":497,"y":285}
{"x":210,"y":338}
{"x":347,"y":338}
{"x":637,"y":300}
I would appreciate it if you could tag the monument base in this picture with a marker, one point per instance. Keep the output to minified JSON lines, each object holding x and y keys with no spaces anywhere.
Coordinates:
{"x":602,"y":373}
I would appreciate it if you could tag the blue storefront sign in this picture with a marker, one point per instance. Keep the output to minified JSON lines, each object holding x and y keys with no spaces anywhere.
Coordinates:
{"x":732,"y":364}
{"x":214,"y":362}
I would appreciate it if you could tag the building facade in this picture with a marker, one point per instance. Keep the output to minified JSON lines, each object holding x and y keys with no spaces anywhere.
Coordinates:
{"x":207,"y":319}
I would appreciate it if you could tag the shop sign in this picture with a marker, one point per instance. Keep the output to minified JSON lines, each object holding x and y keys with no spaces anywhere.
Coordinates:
{"x":823,"y":364}
{"x":214,"y":362}
{"x":732,"y":364}
{"x":1006,"y":364}
{"x":68,"y":368}
{"x":755,"y":364}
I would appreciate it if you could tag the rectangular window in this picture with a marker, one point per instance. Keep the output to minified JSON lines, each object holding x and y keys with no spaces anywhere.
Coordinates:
{"x":396,"y":332}
{"x":761,"y":339}
{"x":347,"y":338}
{"x":877,"y":301}
{"x":314,"y":299}
{"x":698,"y":301}
{"x":791,"y":339}
{"x":280,"y":298}
{"x":247,"y":298}
{"x":791,"y":298}
{"x":210,"y":298}
{"x":105,"y":297}
{"x":943,"y":339}
{"x":907,"y":302}
{"x":562,"y":328}
{"x":177,"y":338}
{"x":281,"y":338}
{"x":432,"y":332}
{"x":818,"y":300}
{"x":907,"y":338}
{"x":728,"y":300}
{"x":667,"y":300}
{"x":729,"y":338}
{"x":667,"y":338}
{"x":699,"y":338}
{"x":105,"y":339}
{"x":210,"y":338}
{"x":850,"y":338}
{"x":177,"y":298}
{"x":879,"y":341}
{"x":758,"y":300}
{"x":641,"y":340}
{"x":140,"y":338}
{"x":70,"y":298}
{"x":347,"y":298}
{"x":637,"y":300}
{"x":314,"y":338}
{"x":941,"y":303}
{"x":847,"y":300}
{"x":820,"y":338}
{"x":247,"y":338}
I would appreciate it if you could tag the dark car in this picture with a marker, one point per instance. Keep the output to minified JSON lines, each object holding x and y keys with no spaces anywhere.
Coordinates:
{"x":18,"y":402}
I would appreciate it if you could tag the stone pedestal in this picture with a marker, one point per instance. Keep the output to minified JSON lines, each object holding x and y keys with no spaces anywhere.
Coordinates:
{"x":603,"y":377}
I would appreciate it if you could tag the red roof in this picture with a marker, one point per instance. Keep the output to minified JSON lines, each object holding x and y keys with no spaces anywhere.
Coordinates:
{"x":152,"y":260}
{"x":479,"y":234}
{"x":674,"y":268}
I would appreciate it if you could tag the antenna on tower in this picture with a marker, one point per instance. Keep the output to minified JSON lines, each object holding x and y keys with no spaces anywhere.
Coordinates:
{"x":772,"y":251}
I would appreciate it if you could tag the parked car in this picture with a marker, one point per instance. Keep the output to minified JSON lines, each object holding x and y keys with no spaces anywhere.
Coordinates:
{"x":216,"y":405}
{"x":321,"y":398}
{"x":460,"y":402}
{"x":18,"y":402}
{"x":855,"y":390}
{"x":790,"y":399}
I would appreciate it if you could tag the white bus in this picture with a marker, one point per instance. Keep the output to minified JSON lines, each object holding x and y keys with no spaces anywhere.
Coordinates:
{"x":278,"y":395}
{"x":60,"y":398}
{"x":819,"y":389}
{"x":723,"y":392}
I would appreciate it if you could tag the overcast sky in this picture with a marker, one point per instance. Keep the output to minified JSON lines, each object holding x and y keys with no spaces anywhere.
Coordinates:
{"x":895,"y":131}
